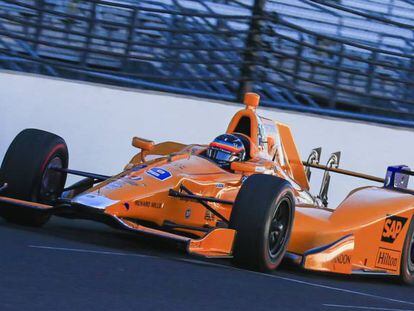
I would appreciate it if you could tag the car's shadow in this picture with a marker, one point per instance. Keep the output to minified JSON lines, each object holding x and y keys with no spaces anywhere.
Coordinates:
{"x":94,"y":236}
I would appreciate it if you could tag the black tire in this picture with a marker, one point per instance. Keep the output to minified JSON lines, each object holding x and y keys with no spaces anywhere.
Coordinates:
{"x":407,"y":259}
{"x":26,"y":170}
{"x":263,"y":216}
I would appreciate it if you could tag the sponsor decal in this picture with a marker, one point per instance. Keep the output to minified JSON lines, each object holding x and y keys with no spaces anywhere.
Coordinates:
{"x":209,"y":216}
{"x":122,"y":182}
{"x":129,"y":181}
{"x":188,"y":213}
{"x":387,"y":259}
{"x":159,"y":173}
{"x":220,"y":185}
{"x":136,"y":178}
{"x":149,"y":204}
{"x":392,"y":227}
{"x":343,"y":259}
{"x":132,"y":176}
{"x":94,"y":200}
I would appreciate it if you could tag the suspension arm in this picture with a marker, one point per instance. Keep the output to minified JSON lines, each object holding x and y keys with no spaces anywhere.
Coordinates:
{"x":202,"y":200}
{"x":345,"y":172}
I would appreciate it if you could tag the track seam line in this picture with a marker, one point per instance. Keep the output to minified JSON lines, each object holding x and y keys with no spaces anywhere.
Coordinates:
{"x":363,"y":307}
{"x":90,"y":251}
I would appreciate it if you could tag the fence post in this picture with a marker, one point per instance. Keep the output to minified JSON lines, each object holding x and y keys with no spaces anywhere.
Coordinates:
{"x":89,"y":34}
{"x":252,"y":42}
{"x":40,"y":13}
{"x":372,"y":65}
{"x":335,"y":81}
{"x":130,"y":39}
{"x":408,"y":88}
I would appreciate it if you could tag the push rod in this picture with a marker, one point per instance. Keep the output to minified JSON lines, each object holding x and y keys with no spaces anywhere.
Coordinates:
{"x":202,"y":200}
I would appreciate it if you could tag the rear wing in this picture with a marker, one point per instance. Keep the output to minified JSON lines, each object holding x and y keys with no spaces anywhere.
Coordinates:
{"x":397,"y":177}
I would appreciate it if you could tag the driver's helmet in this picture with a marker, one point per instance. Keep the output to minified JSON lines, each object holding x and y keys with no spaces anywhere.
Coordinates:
{"x":225,"y":149}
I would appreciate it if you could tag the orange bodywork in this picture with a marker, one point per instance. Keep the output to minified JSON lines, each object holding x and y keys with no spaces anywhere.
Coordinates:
{"x":348,"y":239}
{"x":364,"y":234}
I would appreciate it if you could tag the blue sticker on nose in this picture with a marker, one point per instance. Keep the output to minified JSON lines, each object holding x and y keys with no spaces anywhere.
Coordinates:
{"x":159,"y":173}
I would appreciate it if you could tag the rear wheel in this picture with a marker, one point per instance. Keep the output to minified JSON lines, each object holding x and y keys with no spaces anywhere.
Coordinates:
{"x":27,"y":168}
{"x":407,"y":260}
{"x":263,"y":217}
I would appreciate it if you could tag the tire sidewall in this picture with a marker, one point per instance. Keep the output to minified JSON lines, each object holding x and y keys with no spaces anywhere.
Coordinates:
{"x":251,"y":217}
{"x":26,"y":160}
{"x":60,"y":151}
{"x":24,"y":167}
{"x":272,"y":263}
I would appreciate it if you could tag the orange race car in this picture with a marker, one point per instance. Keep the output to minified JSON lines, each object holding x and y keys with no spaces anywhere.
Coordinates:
{"x":245,"y":196}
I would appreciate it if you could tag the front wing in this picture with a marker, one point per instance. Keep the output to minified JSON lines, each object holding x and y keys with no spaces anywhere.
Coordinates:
{"x":217,"y":243}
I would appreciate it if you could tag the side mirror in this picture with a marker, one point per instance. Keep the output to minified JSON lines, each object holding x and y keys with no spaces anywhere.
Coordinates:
{"x":143,"y":144}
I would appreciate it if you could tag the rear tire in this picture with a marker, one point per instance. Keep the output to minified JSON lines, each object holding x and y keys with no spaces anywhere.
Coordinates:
{"x":26,"y":168}
{"x":263,"y":218}
{"x":407,"y":259}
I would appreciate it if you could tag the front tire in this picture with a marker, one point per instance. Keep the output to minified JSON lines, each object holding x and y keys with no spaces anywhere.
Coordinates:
{"x":27,"y":168}
{"x":263,"y":216}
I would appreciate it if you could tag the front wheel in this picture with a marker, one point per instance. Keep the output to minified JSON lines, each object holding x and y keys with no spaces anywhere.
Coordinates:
{"x":263,"y":216}
{"x":28,"y":169}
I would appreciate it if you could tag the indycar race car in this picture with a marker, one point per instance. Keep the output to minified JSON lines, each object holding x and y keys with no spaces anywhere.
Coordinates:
{"x":246,"y":196}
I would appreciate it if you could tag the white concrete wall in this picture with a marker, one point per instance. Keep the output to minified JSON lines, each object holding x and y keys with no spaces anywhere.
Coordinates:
{"x":98,"y":123}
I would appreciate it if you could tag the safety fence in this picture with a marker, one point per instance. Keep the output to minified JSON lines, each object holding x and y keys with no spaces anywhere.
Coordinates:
{"x":215,"y":49}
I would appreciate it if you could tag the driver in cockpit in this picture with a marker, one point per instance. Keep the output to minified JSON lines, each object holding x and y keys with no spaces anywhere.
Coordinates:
{"x":227,"y":148}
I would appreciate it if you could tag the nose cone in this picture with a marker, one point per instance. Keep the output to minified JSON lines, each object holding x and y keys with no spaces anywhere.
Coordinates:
{"x":144,"y":181}
{"x":140,"y":181}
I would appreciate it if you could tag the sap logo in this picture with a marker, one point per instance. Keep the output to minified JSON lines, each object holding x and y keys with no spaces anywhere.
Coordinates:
{"x":159,"y":173}
{"x":392,"y":227}
{"x":343,"y":259}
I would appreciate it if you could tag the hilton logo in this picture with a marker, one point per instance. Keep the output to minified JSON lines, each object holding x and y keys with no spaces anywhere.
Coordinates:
{"x":387,"y":259}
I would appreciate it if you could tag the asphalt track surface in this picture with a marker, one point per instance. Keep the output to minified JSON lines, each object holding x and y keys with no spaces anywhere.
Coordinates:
{"x":81,"y":265}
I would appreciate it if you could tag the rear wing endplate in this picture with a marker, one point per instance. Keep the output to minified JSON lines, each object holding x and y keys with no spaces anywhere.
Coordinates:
{"x":398,"y":177}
